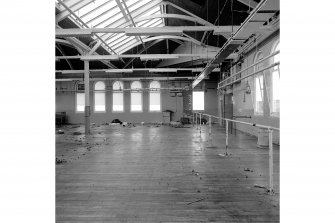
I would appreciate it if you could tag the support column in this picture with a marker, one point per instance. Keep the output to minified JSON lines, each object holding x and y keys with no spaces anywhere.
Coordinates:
{"x":226,"y":138}
{"x":271,"y":161}
{"x":87,"y":97}
{"x":220,"y":108}
{"x":200,"y":124}
{"x":210,"y":136}
{"x":193,"y":119}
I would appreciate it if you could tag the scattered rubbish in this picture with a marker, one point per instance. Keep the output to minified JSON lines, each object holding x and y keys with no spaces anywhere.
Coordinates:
{"x":116,"y":121}
{"x":196,"y":201}
{"x":247,"y":169}
{"x":182,"y":126}
{"x":261,"y":187}
{"x":185,"y":120}
{"x":77,"y":133}
{"x":60,"y":131}
{"x":142,"y":123}
{"x":59,"y":161}
{"x":124,"y":124}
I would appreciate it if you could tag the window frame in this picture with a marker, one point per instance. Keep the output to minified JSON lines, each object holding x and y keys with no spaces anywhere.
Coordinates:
{"x":160,"y":96}
{"x":258,"y":56}
{"x":136,"y":91}
{"x":99,"y":91}
{"x":112,"y":99}
{"x":272,"y":113}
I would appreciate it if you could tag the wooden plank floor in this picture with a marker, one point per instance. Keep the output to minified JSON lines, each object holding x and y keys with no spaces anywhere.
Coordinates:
{"x":162,"y":174}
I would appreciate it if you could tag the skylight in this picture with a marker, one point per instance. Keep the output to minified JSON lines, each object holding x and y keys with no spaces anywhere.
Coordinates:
{"x":107,"y":13}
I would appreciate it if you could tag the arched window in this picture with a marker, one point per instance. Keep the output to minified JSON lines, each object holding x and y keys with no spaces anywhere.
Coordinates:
{"x":275,"y":97}
{"x":155,"y":96}
{"x":117,"y":96}
{"x":80,"y":97}
{"x":258,"y":86}
{"x":99,"y":96}
{"x":136,"y":96}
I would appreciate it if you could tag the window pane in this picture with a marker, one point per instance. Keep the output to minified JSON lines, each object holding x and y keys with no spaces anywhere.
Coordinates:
{"x":99,"y":101}
{"x":135,"y":85}
{"x":155,"y":101}
{"x":117,"y":101}
{"x":99,"y":85}
{"x":198,"y":100}
{"x":276,"y":96}
{"x":136,"y":101}
{"x":259,"y":94}
{"x":80,"y":99}
{"x":117,"y":85}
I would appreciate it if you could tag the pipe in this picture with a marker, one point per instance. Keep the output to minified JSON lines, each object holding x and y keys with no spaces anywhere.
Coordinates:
{"x":245,"y":69}
{"x":246,"y":123}
{"x":256,"y":72}
{"x":226,"y":138}
{"x":210,"y":139}
{"x":271,"y":161}
{"x":253,"y":12}
{"x":200,"y":125}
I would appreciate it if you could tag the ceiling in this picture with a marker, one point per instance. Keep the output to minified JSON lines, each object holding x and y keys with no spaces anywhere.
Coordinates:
{"x":88,"y":14}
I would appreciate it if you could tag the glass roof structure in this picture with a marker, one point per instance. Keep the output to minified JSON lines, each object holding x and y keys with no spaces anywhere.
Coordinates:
{"x":116,"y":14}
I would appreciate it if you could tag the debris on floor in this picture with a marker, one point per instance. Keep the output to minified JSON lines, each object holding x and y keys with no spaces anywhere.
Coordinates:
{"x":258,"y":186}
{"x":60,"y":161}
{"x":59,"y":131}
{"x":77,"y":133}
{"x":247,"y":169}
{"x":185,"y":120}
{"x":116,"y":121}
{"x":196,"y":201}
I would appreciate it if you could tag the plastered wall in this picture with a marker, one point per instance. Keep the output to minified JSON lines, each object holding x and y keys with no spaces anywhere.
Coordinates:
{"x":65,"y":102}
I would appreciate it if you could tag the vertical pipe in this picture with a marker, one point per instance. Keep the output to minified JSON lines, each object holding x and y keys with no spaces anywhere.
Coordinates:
{"x":271,"y":160}
{"x":210,"y":131}
{"x":200,"y":124}
{"x":193,"y":119}
{"x":87,"y":97}
{"x":226,"y":137}
{"x":196,"y":120}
